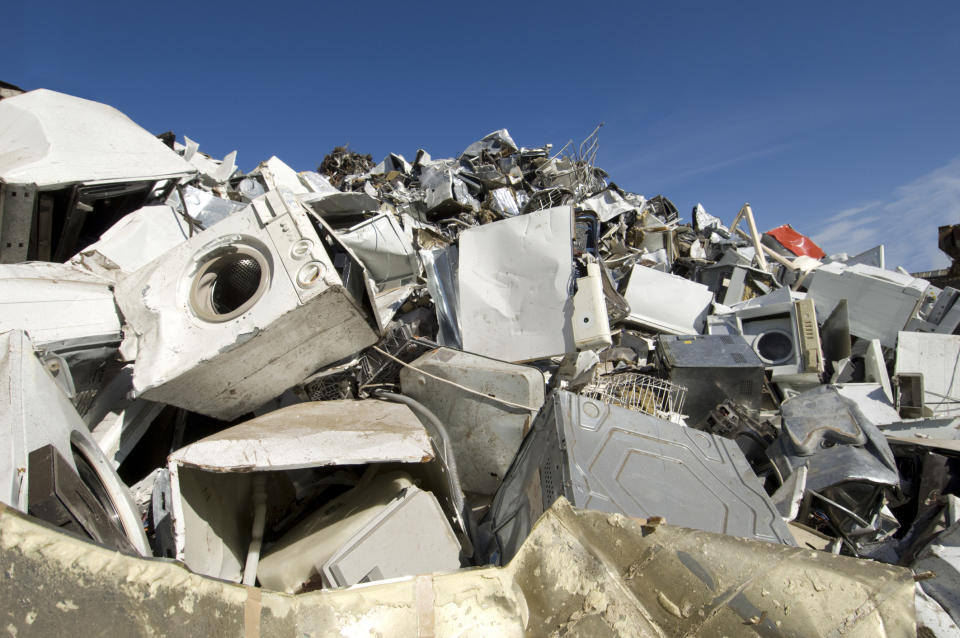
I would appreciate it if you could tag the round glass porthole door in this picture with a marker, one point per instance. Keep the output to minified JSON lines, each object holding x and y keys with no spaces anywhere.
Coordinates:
{"x":229,"y":283}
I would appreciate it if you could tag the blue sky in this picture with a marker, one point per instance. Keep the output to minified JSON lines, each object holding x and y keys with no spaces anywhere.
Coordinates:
{"x":839,"y":118}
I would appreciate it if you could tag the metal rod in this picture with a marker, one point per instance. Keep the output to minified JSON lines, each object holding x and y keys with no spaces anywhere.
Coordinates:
{"x":842,"y":508}
{"x":755,"y":236}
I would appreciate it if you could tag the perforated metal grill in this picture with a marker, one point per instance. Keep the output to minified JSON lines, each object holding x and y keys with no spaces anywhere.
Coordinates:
{"x":237,"y":281}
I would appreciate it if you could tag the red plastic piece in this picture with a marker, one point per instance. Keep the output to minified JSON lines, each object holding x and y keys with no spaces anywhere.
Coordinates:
{"x":795,"y":242}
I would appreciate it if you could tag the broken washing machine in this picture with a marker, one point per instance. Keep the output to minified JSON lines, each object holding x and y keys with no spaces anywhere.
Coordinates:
{"x":51,"y":466}
{"x":242,"y":311}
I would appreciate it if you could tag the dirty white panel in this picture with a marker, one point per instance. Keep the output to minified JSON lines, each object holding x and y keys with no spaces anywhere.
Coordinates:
{"x":666,"y":302}
{"x":212,"y":514}
{"x":514,"y":283}
{"x":937,"y":358}
{"x":408,"y":537}
{"x":314,"y":434}
{"x":387,"y":529}
{"x":135,"y":240}
{"x":942,"y":557}
{"x":51,"y":139}
{"x":56,"y":302}
{"x":932,"y":619}
{"x":299,"y":555}
{"x":879,"y":302}
{"x":591,"y":323}
{"x":667,"y":582}
{"x":876,"y":368}
{"x":872,"y":400}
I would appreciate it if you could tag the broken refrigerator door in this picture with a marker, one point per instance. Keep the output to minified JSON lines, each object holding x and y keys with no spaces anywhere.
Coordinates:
{"x":514,"y":286}
{"x":296,"y":461}
{"x":242,"y":311}
{"x":51,"y":467}
{"x":85,"y":166}
{"x":612,"y":459}
{"x":486,"y":406}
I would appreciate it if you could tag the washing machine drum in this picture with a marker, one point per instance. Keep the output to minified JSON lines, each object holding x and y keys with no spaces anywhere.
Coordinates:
{"x":229,"y":283}
{"x":774,"y":347}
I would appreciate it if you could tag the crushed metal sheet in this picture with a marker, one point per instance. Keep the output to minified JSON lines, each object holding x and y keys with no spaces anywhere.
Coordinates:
{"x":313,"y":434}
{"x":587,"y":572}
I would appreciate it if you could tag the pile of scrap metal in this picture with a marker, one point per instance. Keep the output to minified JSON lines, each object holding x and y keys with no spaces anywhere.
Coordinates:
{"x":301,"y":381}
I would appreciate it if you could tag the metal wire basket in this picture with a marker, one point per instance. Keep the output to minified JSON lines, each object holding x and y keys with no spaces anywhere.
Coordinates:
{"x":378,"y":369}
{"x":372,"y":368}
{"x":332,"y":387}
{"x":639,"y":392}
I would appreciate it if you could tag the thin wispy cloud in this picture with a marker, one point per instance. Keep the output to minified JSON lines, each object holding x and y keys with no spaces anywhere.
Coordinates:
{"x":739,"y":159}
{"x":856,"y":210}
{"x":906,"y":223}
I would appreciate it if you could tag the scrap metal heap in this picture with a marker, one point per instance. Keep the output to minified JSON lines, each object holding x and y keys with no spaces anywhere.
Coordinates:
{"x":322,"y":380}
